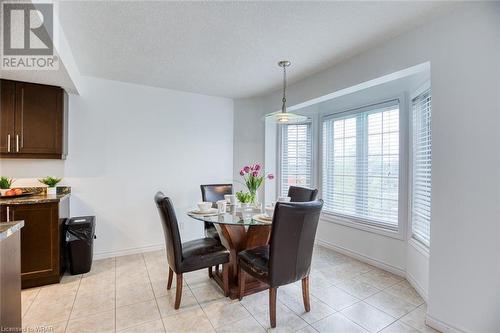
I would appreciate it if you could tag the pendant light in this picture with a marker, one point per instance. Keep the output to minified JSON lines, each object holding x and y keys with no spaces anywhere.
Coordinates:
{"x":283,"y":116}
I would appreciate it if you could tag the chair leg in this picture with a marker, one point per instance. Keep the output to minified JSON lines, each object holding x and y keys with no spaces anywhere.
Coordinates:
{"x":241,"y":283}
{"x":210,"y":274}
{"x":305,"y":293}
{"x":178,"y":291}
{"x":170,"y":277}
{"x":272,"y":306}
{"x":225,"y":278}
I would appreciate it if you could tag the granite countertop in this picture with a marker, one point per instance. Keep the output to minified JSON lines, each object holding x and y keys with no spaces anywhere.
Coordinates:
{"x":34,"y":199}
{"x":9,"y":228}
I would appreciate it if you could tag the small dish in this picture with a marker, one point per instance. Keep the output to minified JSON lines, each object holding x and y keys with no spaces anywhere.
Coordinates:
{"x":262,"y":218}
{"x":211,"y":211}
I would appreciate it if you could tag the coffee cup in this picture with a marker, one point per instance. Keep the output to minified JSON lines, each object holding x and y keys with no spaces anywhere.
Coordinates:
{"x":204,"y":206}
{"x":230,"y":198}
{"x":221,"y":206}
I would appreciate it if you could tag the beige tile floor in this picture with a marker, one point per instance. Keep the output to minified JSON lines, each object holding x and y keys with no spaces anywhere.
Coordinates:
{"x":128,"y":294}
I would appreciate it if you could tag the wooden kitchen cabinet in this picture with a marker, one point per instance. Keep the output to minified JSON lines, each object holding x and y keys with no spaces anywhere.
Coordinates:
{"x":42,"y":260}
{"x":33,"y":120}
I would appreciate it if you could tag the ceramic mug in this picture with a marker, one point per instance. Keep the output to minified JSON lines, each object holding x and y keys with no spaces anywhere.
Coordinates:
{"x":230,"y":198}
{"x":204,"y":206}
{"x":221,"y":206}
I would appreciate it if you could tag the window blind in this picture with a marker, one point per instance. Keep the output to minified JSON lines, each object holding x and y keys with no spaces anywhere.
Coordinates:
{"x":361,"y":164}
{"x":421,"y":167}
{"x":296,"y":156}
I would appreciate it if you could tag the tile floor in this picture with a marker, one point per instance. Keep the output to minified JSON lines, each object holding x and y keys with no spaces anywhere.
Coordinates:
{"x":128,"y":294}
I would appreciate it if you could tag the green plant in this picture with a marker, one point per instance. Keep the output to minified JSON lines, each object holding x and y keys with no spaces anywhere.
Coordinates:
{"x":50,"y":181}
{"x":244,"y":197}
{"x":5,"y":182}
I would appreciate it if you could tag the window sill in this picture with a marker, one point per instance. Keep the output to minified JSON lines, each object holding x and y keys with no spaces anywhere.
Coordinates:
{"x":421,"y":248}
{"x":361,"y":225}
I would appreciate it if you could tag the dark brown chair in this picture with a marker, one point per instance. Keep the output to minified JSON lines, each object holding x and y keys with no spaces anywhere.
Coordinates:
{"x":213,"y":193}
{"x":287,"y":258}
{"x":302,"y":194}
{"x":189,"y":256}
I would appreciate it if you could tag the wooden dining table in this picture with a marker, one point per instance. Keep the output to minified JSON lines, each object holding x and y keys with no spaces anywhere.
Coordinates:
{"x":239,"y":229}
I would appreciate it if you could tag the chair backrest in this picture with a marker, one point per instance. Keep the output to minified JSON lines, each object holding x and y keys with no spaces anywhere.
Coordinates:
{"x":301,"y":194}
{"x":215,"y":192}
{"x":170,"y":231}
{"x":292,"y":240}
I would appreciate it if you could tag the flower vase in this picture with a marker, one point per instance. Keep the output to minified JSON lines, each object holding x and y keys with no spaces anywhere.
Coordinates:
{"x":255,"y":199}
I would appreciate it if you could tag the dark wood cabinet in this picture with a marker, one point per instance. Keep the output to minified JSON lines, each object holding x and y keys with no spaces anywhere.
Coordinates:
{"x":33,"y":120}
{"x":41,"y":238}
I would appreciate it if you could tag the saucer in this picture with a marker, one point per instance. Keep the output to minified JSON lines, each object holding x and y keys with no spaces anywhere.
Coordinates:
{"x":211,"y":211}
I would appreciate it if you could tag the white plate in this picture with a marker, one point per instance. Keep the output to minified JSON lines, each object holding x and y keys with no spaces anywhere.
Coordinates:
{"x":211,"y":211}
{"x":263,"y":218}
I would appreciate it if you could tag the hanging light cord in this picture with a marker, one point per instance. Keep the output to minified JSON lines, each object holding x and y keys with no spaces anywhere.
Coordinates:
{"x":283,"y":107}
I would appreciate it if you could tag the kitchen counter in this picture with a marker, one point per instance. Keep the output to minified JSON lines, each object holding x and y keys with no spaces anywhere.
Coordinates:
{"x":10,"y":276}
{"x":9,"y":228}
{"x":34,"y":199}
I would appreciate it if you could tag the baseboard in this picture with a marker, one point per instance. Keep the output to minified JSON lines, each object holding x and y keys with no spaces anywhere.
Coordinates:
{"x":421,"y":291}
{"x":124,"y":252}
{"x":441,"y":326}
{"x":363,"y":258}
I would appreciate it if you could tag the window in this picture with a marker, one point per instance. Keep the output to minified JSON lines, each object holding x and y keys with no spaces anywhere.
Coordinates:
{"x":296,"y":156}
{"x":421,"y":168}
{"x":360,"y":171}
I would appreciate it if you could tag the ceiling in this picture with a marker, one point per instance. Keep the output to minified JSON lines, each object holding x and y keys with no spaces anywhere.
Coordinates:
{"x":228,"y":49}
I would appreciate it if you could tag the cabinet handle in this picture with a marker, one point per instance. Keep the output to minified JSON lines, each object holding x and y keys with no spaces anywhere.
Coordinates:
{"x":17,"y":143}
{"x":8,"y":213}
{"x":8,"y":143}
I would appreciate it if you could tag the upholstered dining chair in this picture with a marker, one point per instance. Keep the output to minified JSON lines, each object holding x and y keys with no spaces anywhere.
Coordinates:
{"x":189,"y":256}
{"x":287,"y":258}
{"x":302,"y":194}
{"x":213,"y":193}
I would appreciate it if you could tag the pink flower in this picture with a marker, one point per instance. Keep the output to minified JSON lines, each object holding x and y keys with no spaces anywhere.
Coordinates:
{"x":270,"y":176}
{"x":255,"y":173}
{"x":242,"y":172}
{"x":257,"y":167}
{"x":246,"y":169}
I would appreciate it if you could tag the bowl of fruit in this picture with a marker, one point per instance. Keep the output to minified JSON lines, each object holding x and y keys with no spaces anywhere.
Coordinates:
{"x":7,"y":192}
{"x":13,"y":193}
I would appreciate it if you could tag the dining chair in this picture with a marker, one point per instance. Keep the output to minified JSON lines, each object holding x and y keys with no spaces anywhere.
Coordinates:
{"x":189,"y":256}
{"x":287,"y":258}
{"x":302,"y":194}
{"x":213,"y":193}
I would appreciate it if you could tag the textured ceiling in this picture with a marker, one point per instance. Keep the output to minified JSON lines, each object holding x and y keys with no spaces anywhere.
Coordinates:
{"x":228,"y":48}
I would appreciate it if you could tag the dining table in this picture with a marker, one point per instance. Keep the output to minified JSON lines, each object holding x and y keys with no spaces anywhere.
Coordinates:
{"x":239,"y":228}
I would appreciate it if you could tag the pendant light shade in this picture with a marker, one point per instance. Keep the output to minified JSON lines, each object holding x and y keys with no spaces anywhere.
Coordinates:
{"x":283,"y":116}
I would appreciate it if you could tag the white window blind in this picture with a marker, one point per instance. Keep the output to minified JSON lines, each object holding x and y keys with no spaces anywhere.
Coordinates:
{"x":421,"y":168}
{"x":361,"y":164}
{"x":296,"y":156}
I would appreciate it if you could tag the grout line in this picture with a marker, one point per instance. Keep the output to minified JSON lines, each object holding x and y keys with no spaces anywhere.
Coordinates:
{"x":152,"y":290}
{"x":199,"y":305}
{"x":251,"y":314}
{"x":74,"y":301}
{"x":31,"y":303}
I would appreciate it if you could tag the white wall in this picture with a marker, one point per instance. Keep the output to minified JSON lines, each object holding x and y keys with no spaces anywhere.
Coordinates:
{"x":463,"y":48}
{"x":128,"y":141}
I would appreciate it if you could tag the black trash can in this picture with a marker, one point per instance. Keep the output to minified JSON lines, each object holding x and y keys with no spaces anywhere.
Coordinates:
{"x":80,"y":234}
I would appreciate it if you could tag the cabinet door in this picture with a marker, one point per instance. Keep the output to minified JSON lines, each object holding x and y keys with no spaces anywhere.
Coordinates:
{"x":7,"y":103}
{"x":39,"y":119}
{"x":39,"y":242}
